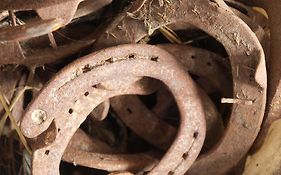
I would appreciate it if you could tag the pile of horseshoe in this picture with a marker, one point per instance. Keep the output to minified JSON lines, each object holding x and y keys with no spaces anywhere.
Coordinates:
{"x":158,"y":87}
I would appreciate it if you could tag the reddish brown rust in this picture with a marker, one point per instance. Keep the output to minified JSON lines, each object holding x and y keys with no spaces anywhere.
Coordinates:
{"x":118,"y":162}
{"x":205,"y":64}
{"x":82,"y":141}
{"x":84,"y":75}
{"x":49,"y":9}
{"x":121,"y":173}
{"x":157,"y":132}
{"x":101,"y":111}
{"x":111,"y":162}
{"x":136,"y":6}
{"x":143,"y":122}
{"x":247,"y":61}
{"x":30,"y":30}
{"x":255,"y":17}
{"x":16,"y":55}
{"x":28,"y":4}
{"x":214,"y":124}
{"x":154,"y":130}
{"x":87,"y":7}
{"x":273,"y":110}
{"x":85,"y":151}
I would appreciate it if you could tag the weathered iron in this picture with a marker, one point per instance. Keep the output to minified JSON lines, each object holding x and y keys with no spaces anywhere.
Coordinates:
{"x":83,"y":76}
{"x":159,"y":133}
{"x":247,"y":61}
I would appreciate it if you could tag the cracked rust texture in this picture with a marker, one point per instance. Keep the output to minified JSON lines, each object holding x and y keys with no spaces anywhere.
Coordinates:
{"x":85,"y":74}
{"x":243,"y":48}
{"x":273,"y":110}
{"x":48,"y":9}
{"x":52,"y":20}
{"x":159,"y":133}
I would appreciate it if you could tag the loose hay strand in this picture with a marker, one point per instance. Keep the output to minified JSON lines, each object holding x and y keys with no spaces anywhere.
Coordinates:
{"x":14,"y":123}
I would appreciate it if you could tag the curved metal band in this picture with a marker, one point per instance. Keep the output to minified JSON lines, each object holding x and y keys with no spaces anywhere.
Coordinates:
{"x":247,"y":61}
{"x":63,"y":101}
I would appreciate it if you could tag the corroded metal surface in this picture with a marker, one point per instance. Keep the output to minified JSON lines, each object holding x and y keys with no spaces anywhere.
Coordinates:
{"x":243,"y":48}
{"x":273,"y":110}
{"x":63,"y":9}
{"x":133,"y":134}
{"x":157,"y":132}
{"x":52,"y":99}
{"x":54,"y":17}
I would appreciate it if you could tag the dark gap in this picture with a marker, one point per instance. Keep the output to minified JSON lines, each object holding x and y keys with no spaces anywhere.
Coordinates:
{"x":28,"y":95}
{"x":185,"y":155}
{"x":154,"y":59}
{"x":70,"y":111}
{"x":86,"y":93}
{"x":195,"y":134}
{"x":129,"y":110}
{"x":47,"y":152}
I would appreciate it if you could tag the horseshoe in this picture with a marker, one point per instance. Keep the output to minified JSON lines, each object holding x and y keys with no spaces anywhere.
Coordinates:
{"x":104,"y":66}
{"x":273,"y":110}
{"x":15,"y":54}
{"x":30,"y":30}
{"x":85,"y":151}
{"x":247,"y":61}
{"x":159,"y":133}
{"x":49,"y":9}
{"x":101,"y":157}
{"x":255,"y":17}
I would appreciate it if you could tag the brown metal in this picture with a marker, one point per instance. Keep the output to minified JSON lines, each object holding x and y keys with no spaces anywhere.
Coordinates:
{"x":273,"y":109}
{"x":214,"y":123}
{"x":143,"y":122}
{"x":68,"y":88}
{"x":50,"y":9}
{"x":136,"y":6}
{"x":247,"y":61}
{"x":159,"y":133}
{"x":28,"y":4}
{"x":84,"y":151}
{"x":87,"y":7}
{"x":111,"y":162}
{"x":11,"y":36}
{"x":255,"y":17}
{"x":205,"y":64}
{"x":15,"y":54}
{"x":82,"y":141}
{"x":89,"y":152}
{"x":30,"y":30}
{"x":101,"y":111}
{"x":121,"y":173}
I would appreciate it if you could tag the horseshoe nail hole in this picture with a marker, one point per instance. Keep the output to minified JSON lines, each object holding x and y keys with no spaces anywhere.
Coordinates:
{"x":47,"y":152}
{"x":129,"y":110}
{"x":58,"y":129}
{"x":171,"y":173}
{"x":154,"y":58}
{"x":86,"y":94}
{"x":96,"y":85}
{"x":195,"y":135}
{"x":209,"y":64}
{"x":185,"y":155}
{"x":131,"y":56}
{"x":87,"y":68}
{"x":193,"y":56}
{"x":70,"y":111}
